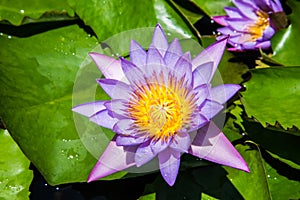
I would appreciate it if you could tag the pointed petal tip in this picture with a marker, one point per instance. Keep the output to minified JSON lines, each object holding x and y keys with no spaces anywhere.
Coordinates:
{"x":170,"y":181}
{"x":158,"y":26}
{"x":91,"y":179}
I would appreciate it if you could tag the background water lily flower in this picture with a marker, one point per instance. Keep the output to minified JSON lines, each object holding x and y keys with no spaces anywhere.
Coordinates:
{"x":161,"y":106}
{"x":251,"y":24}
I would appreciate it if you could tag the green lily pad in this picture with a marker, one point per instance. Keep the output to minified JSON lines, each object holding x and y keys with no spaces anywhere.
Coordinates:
{"x":256,"y":179}
{"x":107,"y":18}
{"x":36,"y":86}
{"x":277,"y":141}
{"x":17,"y":12}
{"x":280,"y":186}
{"x":286,"y":41}
{"x":15,"y":176}
{"x":213,"y":7}
{"x":189,"y":10}
{"x":272,"y":95}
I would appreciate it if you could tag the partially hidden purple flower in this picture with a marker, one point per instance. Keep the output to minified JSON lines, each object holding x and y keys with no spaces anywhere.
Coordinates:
{"x":161,"y":106}
{"x":251,"y":24}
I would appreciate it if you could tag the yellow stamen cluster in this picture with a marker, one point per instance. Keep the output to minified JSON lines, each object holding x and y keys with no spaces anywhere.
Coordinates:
{"x":159,"y":110}
{"x":257,"y":29}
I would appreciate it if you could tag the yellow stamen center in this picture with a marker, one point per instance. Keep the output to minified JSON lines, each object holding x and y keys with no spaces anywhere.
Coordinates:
{"x":160,"y":111}
{"x":257,"y":29}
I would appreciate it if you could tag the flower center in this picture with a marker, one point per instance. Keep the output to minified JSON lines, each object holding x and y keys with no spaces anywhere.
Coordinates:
{"x":160,"y":111}
{"x":257,"y":29}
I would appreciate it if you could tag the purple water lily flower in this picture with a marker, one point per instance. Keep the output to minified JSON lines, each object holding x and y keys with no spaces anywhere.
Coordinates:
{"x":162,"y":105}
{"x":251,"y":24}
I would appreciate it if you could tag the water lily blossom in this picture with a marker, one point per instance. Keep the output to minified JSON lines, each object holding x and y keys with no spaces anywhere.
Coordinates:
{"x":251,"y":24}
{"x":161,"y":106}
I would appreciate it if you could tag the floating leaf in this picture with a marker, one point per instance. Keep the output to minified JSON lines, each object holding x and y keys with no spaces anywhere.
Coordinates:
{"x":213,"y":7}
{"x":15,"y":176}
{"x":272,"y":95}
{"x":256,"y":179}
{"x":17,"y":12}
{"x":278,"y":141}
{"x":286,"y":41}
{"x":111,"y":17}
{"x":36,"y":87}
{"x":280,"y":186}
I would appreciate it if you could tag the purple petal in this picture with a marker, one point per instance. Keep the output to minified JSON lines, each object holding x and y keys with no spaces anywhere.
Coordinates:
{"x":202,"y":92}
{"x":115,"y":89}
{"x":183,"y":68}
{"x":173,"y":53}
{"x":199,"y":121}
{"x":154,"y":59}
{"x":247,"y":9}
{"x":239,"y":24}
{"x":132,"y":72}
{"x":268,"y":33}
{"x":144,"y":154}
{"x":210,"y":109}
{"x":89,"y":109}
{"x":233,"y":12}
{"x":102,"y":118}
{"x":158,"y":146}
{"x":202,"y":74}
{"x":159,"y":40}
{"x":129,"y":141}
{"x":213,"y":53}
{"x":262,"y":5}
{"x":241,"y":39}
{"x":110,"y":67}
{"x":221,"y":20}
{"x":263,"y":45}
{"x":114,"y":159}
{"x":155,"y":64}
{"x":117,"y":108}
{"x":276,"y":6}
{"x":211,"y":144}
{"x":228,"y":31}
{"x":181,"y":142}
{"x":137,"y":54}
{"x":249,"y":45}
{"x":124,"y":127}
{"x":169,"y":162}
{"x":222,"y":93}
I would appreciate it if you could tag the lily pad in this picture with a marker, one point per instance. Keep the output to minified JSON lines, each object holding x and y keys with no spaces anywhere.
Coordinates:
{"x":17,"y":12}
{"x":272,"y":95}
{"x":286,"y":41}
{"x":107,"y":18}
{"x":15,"y":176}
{"x":256,"y":179}
{"x":36,"y":86}
{"x":213,"y":7}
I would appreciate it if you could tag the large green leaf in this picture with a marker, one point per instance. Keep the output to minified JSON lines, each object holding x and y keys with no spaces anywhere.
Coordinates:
{"x":273,"y":95}
{"x":36,"y":85}
{"x":110,"y":17}
{"x":213,"y":7}
{"x":263,"y":181}
{"x":280,"y":186}
{"x":15,"y":176}
{"x":285,"y":42}
{"x":256,"y":180}
{"x":188,"y":9}
{"x":16,"y":12}
{"x":283,"y":143}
